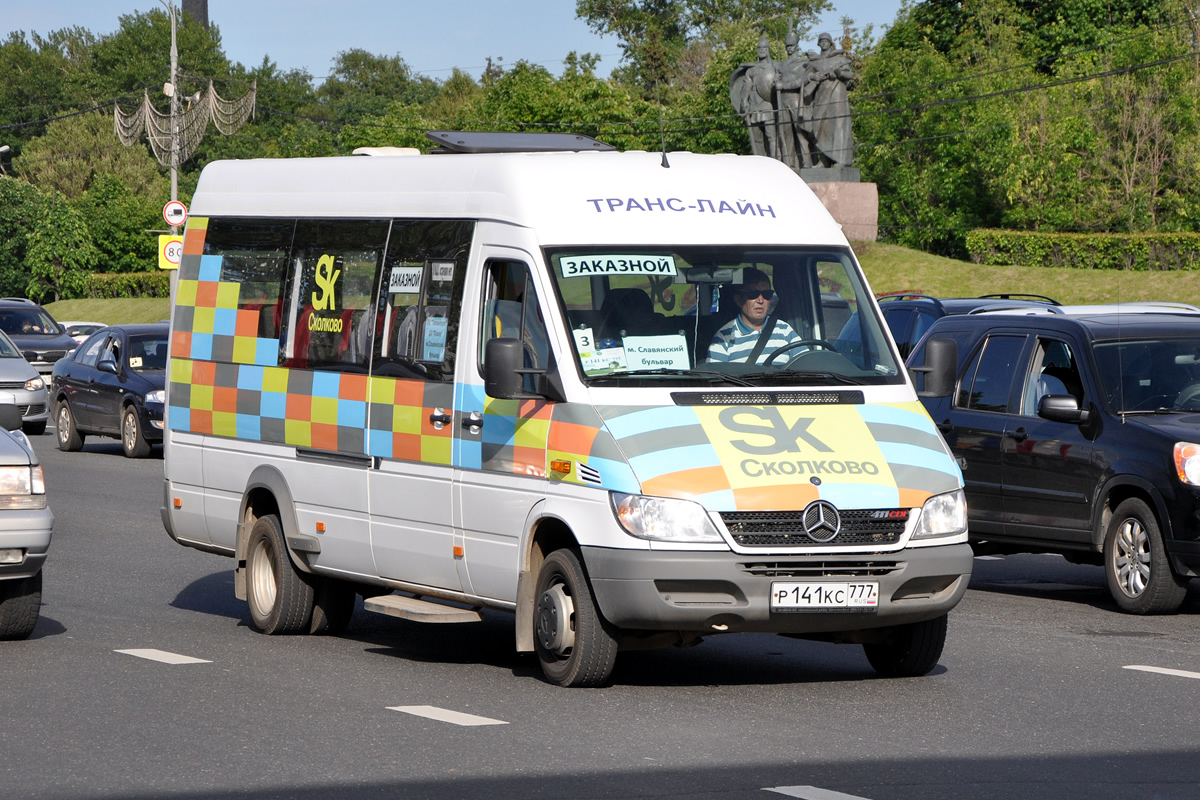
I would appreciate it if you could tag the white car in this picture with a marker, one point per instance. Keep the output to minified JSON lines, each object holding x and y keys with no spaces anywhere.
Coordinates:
{"x":79,"y":330}
{"x":25,"y":528}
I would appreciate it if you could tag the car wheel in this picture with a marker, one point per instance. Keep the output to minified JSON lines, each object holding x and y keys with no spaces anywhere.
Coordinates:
{"x":20,"y":601}
{"x":333,"y":606}
{"x":908,"y":651}
{"x":574,"y":644}
{"x":132,"y":440}
{"x":279,"y":595}
{"x":69,"y":437}
{"x":34,"y":428}
{"x":1136,"y":564}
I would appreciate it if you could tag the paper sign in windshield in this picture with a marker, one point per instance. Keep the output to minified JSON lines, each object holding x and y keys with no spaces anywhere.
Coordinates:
{"x":583,"y":266}
{"x":434,"y":348}
{"x":656,"y":352}
{"x":405,"y":280}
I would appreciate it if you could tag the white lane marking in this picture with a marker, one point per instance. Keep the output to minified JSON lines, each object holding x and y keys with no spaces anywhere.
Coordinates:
{"x":812,"y":793}
{"x":1179,"y":673}
{"x":446,"y":715}
{"x":164,"y":657}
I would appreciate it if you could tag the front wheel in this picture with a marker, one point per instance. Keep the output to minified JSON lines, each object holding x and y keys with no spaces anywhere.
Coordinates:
{"x":20,"y":601}
{"x":132,"y":441}
{"x":574,"y":644}
{"x":1136,"y":564}
{"x":279,"y":595}
{"x":69,"y":438}
{"x":909,"y":651}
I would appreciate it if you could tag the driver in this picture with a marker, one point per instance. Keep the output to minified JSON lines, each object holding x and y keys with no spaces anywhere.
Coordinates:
{"x":735,"y":340}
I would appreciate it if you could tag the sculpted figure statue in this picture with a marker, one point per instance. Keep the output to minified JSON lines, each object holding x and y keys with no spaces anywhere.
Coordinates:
{"x":794,"y":128}
{"x":752,"y":90}
{"x":826,"y":94}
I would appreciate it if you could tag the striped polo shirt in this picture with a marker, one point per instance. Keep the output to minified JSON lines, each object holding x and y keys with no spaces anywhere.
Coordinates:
{"x":735,"y":339}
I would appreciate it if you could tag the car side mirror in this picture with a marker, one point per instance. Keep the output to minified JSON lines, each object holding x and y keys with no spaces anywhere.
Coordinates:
{"x":30,"y":355}
{"x":10,"y":416}
{"x":503,"y":373}
{"x":107,"y":364}
{"x":1062,"y":408}
{"x":941,"y":367}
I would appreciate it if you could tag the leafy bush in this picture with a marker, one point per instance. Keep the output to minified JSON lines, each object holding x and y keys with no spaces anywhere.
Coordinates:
{"x":1130,"y":251}
{"x":102,"y":285}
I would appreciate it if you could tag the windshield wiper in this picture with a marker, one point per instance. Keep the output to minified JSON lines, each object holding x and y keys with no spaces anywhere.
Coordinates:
{"x":793,"y":375}
{"x":682,"y":373}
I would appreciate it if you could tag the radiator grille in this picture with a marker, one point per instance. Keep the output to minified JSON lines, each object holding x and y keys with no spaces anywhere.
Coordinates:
{"x":881,"y":526}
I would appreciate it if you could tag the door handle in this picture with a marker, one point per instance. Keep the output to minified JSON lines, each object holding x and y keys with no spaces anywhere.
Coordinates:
{"x":1019,"y":435}
{"x":439,"y":418}
{"x":945,"y":426}
{"x":473,"y":422}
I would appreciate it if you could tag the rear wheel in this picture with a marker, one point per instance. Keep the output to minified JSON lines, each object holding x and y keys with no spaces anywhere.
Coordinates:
{"x":909,"y":651}
{"x":574,"y":644}
{"x":132,"y":441}
{"x":20,"y":601}
{"x":69,"y":438}
{"x":279,"y":595}
{"x":1136,"y":564}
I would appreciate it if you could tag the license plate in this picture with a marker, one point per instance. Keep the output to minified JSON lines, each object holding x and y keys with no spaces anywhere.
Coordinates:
{"x":800,"y":596}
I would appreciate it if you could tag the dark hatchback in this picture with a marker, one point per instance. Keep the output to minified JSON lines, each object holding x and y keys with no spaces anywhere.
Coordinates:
{"x":909,"y":316}
{"x":1078,"y":432}
{"x":113,"y":386}
{"x":35,"y":333}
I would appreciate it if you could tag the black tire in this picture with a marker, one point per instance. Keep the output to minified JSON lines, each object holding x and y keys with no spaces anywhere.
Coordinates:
{"x":34,"y":428}
{"x":1136,"y":564}
{"x":69,"y":438}
{"x":133,"y":442}
{"x":574,"y":644}
{"x":909,"y":651}
{"x":20,"y":601}
{"x":333,"y":606}
{"x":279,"y":595}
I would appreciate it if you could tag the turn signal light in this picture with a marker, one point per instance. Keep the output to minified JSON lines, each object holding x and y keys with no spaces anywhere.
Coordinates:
{"x":560,"y":465}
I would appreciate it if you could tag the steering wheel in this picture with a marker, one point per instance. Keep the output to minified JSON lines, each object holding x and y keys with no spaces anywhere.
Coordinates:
{"x":802,"y":343}
{"x":1188,"y":396}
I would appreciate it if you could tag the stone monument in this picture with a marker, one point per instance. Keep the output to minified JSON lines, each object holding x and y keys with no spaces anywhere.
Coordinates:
{"x":798,"y":111}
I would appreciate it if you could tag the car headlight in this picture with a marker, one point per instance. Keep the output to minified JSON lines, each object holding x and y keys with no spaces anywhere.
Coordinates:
{"x":1187,"y":462}
{"x":22,"y":487}
{"x":33,"y":384}
{"x":943,"y":515}
{"x":157,"y":396}
{"x":662,"y":519}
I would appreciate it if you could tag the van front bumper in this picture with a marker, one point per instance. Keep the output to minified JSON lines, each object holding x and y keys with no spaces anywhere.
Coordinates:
{"x":726,"y":592}
{"x":27,"y":533}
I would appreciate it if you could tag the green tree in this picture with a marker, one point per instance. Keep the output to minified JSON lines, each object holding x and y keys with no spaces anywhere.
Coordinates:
{"x":19,"y":204}
{"x":61,"y":252}
{"x":76,"y":150}
{"x":119,"y":223}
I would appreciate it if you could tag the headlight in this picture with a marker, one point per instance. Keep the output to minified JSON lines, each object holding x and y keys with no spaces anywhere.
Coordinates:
{"x":157,"y":396}
{"x":22,"y":487}
{"x":663,"y":520}
{"x":33,"y":384}
{"x":943,"y":515}
{"x":1187,"y":462}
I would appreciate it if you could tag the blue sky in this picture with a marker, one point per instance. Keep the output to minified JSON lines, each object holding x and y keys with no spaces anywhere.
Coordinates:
{"x":432,"y":38}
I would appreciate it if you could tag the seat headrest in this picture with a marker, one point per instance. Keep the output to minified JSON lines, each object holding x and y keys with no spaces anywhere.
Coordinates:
{"x":629,"y":300}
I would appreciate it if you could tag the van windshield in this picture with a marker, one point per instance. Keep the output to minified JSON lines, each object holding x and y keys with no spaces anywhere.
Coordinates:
{"x":721,"y":314}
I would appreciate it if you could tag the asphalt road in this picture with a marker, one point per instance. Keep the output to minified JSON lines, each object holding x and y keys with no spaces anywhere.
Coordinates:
{"x":1035,"y":696}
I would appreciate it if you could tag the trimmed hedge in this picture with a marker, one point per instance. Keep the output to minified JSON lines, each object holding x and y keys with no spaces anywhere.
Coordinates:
{"x":102,"y":286}
{"x":1135,"y":251}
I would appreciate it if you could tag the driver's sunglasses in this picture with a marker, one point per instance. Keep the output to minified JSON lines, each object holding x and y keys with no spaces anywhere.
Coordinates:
{"x":754,"y":294}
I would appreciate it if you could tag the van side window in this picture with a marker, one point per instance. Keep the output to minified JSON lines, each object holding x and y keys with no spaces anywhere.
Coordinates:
{"x":511,"y":311}
{"x":334,"y":271}
{"x":420,"y":296}
{"x":988,"y":381}
{"x":253,"y":254}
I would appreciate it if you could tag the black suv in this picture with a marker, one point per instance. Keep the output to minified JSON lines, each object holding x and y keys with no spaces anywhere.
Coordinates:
{"x":909,"y":316}
{"x":1078,"y":432}
{"x":35,"y":333}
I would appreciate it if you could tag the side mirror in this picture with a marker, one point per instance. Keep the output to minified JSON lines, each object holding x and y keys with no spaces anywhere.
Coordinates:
{"x":1062,"y":408}
{"x":10,"y":416}
{"x":502,"y":359}
{"x":30,"y":355}
{"x":107,"y":364}
{"x":941,"y":367}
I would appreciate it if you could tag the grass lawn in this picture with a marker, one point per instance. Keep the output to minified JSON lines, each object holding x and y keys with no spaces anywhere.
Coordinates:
{"x":889,"y":268}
